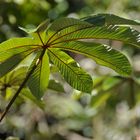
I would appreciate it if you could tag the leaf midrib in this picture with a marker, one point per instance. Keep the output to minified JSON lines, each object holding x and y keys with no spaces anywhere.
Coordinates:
{"x":78,"y":75}
{"x":49,"y":40}
{"x":51,"y":43}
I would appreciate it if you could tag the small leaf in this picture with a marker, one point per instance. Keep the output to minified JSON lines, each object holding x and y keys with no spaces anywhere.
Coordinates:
{"x":102,"y":54}
{"x":26,"y":94}
{"x":73,"y":74}
{"x":28,"y":30}
{"x":54,"y":85}
{"x":38,"y":81}
{"x":40,"y":28}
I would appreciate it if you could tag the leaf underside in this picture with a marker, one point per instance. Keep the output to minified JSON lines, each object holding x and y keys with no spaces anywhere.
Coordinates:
{"x":73,"y":74}
{"x":102,"y":54}
{"x":39,"y":79}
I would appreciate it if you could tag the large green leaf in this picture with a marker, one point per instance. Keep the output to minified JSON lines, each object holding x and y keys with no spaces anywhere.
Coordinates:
{"x":17,"y":76}
{"x":102,"y":54}
{"x":120,"y":33}
{"x":109,"y":19}
{"x":73,"y":74}
{"x":38,"y":81}
{"x":18,"y":43}
{"x":38,"y":34}
{"x":15,"y":46}
{"x":40,"y":28}
{"x":12,"y":62}
{"x":64,"y":24}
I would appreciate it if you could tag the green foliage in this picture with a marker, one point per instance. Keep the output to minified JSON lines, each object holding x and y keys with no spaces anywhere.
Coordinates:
{"x":68,"y":30}
{"x":73,"y":74}
{"x":38,"y":81}
{"x":109,"y":19}
{"x":49,"y":41}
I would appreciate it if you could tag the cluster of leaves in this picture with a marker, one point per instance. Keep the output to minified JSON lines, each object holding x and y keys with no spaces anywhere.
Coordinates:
{"x":49,"y":42}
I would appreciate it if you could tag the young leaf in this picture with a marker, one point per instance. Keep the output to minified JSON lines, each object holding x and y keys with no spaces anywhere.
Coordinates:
{"x":102,"y":54}
{"x":73,"y":74}
{"x":38,"y":81}
{"x":40,"y":28}
{"x":17,"y":76}
{"x":54,"y":85}
{"x":16,"y":46}
{"x":109,"y":19}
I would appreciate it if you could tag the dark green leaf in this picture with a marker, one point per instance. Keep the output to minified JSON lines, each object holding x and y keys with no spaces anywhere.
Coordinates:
{"x":73,"y":74}
{"x":40,"y":28}
{"x":109,"y":19}
{"x":120,"y":33}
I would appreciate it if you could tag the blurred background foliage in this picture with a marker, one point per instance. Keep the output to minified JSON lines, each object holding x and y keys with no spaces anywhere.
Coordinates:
{"x":111,"y":112}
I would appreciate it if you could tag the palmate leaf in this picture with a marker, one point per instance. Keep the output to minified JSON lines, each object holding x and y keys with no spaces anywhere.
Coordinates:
{"x":120,"y":33}
{"x":39,"y":79}
{"x":109,"y":19}
{"x":18,"y":43}
{"x":73,"y":74}
{"x":102,"y":54}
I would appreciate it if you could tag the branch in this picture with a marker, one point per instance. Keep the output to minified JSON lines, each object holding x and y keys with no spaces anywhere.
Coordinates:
{"x":21,"y":87}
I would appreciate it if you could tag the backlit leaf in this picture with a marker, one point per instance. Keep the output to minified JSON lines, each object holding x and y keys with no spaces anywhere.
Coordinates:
{"x":38,"y":81}
{"x":102,"y":54}
{"x":109,"y":19}
{"x":73,"y":74}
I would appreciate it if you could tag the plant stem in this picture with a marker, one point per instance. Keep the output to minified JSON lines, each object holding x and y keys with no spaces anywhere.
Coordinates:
{"x":16,"y":94}
{"x":21,"y":86}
